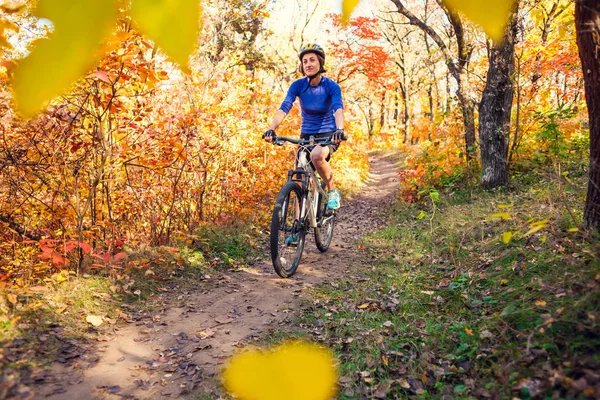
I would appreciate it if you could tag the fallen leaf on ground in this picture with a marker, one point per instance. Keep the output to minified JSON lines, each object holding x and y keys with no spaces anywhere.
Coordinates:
{"x":11,"y":298}
{"x":223,"y":320}
{"x":94,"y":320}
{"x":485,"y":334}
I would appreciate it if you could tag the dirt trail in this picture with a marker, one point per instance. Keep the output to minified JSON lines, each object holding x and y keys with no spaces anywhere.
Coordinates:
{"x":179,"y":349}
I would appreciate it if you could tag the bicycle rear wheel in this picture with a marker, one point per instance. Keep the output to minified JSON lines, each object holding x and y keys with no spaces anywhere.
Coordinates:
{"x":287,"y":236}
{"x":325,"y":223}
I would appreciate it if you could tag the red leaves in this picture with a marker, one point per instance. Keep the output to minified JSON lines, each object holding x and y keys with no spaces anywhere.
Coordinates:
{"x":56,"y":251}
{"x":85,"y":247}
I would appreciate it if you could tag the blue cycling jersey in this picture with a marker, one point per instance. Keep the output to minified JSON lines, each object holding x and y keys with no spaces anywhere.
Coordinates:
{"x":317,"y":104}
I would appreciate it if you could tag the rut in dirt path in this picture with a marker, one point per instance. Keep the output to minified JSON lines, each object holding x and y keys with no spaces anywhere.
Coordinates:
{"x":178,"y":350}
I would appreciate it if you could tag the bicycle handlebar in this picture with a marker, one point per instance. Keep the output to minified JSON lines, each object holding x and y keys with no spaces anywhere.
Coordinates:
{"x":279,"y":140}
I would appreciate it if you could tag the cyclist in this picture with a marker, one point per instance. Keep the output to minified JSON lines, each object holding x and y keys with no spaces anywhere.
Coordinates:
{"x":322,"y":113}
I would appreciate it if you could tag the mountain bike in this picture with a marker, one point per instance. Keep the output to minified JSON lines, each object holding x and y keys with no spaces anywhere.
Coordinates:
{"x":300,"y":206}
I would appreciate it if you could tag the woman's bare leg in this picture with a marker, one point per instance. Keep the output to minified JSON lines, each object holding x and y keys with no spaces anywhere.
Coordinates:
{"x":318,"y":156}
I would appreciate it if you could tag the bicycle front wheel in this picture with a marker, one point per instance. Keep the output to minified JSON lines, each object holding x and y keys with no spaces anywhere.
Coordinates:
{"x":287,"y":236}
{"x":325,"y":223}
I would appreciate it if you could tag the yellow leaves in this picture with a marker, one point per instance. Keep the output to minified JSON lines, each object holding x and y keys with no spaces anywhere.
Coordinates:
{"x":385,"y":360}
{"x":533,"y":230}
{"x":61,"y":308}
{"x":291,"y":371}
{"x":363,"y":306}
{"x":94,"y":320}
{"x":492,"y":16}
{"x":347,"y":7}
{"x":500,"y":216}
{"x":11,"y":6}
{"x":540,"y":303}
{"x":74,"y":45}
{"x":506,"y":236}
{"x":172,"y":24}
{"x":6,"y":25}
{"x":12,"y":299}
{"x":535,"y":227}
{"x":56,"y":63}
{"x":468,"y":331}
{"x":61,"y":277}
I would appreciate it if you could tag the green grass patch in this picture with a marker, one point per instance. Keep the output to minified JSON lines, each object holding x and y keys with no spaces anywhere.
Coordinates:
{"x":456,"y":307}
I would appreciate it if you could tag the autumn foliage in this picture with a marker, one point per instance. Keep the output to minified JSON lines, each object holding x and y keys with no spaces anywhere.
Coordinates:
{"x":140,"y":153}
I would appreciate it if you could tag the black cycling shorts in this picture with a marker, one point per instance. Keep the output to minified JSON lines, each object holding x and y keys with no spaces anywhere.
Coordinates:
{"x":332,"y":147}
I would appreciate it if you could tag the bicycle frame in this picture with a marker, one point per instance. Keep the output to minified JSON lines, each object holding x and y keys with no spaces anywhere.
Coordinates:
{"x":305,"y":174}
{"x":310,"y":187}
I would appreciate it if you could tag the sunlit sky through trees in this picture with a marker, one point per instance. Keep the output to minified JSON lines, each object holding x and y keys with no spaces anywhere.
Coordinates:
{"x":287,"y":17}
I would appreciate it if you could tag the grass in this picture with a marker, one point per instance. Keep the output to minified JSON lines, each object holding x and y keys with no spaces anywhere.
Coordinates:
{"x":450,"y":309}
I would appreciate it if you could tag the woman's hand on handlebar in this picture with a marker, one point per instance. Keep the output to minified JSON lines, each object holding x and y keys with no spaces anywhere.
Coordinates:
{"x":269,"y":135}
{"x":338,"y":136}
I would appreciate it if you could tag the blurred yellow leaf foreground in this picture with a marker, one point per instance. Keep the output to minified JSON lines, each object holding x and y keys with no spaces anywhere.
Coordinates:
{"x":155,"y":18}
{"x":292,"y":371}
{"x":75,"y":45}
{"x":492,"y":16}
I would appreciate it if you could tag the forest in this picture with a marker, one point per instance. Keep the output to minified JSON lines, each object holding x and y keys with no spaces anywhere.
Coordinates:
{"x":132,"y":164}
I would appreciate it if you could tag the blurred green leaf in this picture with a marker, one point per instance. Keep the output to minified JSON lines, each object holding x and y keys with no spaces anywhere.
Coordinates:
{"x":508,"y":310}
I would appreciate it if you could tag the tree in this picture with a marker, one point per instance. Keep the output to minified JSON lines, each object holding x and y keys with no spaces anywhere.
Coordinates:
{"x":587,"y":23}
{"x":457,"y":66}
{"x":495,"y":110}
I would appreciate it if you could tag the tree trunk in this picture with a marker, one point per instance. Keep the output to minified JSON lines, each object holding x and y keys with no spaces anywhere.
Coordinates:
{"x":587,"y":24}
{"x":406,"y":111}
{"x":467,"y":107}
{"x":382,"y":112}
{"x":495,"y":110}
{"x":396,"y":112}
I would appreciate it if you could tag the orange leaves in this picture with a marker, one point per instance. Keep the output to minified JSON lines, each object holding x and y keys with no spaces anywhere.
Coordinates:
{"x":361,"y":52}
